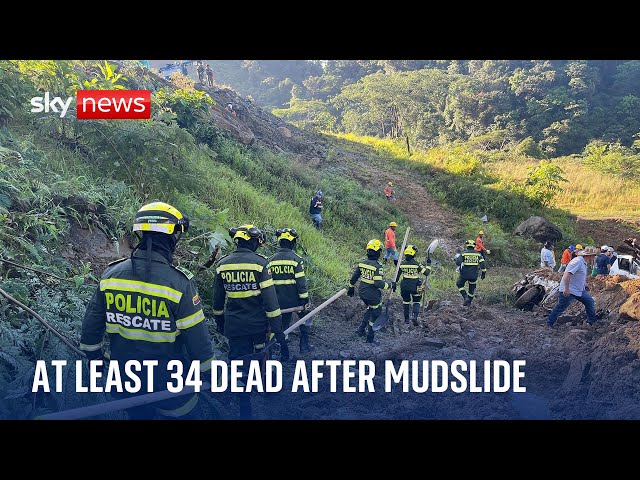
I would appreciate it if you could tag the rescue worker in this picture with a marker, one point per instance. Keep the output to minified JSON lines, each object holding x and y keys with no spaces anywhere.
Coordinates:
{"x":370,"y":272}
{"x":566,"y":257}
{"x":287,"y":270}
{"x":470,"y":261}
{"x":251,"y":310}
{"x":315,"y":209}
{"x":151,"y":310}
{"x":390,"y":243}
{"x":388,"y":191}
{"x":602,"y":262}
{"x":411,"y":286}
{"x":480,"y":245}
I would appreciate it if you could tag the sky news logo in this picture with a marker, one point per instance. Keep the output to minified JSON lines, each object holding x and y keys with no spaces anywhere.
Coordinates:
{"x":99,"y":104}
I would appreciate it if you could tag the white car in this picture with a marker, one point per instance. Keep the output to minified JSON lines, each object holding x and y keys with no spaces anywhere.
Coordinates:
{"x":625,"y":265}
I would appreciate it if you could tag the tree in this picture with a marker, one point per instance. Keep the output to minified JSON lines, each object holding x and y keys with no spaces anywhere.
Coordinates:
{"x":543,"y":182}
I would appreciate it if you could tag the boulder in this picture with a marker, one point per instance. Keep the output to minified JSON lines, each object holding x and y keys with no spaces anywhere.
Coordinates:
{"x":539,"y":228}
{"x":631,"y":308}
{"x":285,"y":132}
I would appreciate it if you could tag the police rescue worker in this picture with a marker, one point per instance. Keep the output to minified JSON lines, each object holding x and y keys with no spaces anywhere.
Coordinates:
{"x":245,"y":304}
{"x":410,"y":283}
{"x":287,"y":270}
{"x":470,"y":262}
{"x":390,"y":243}
{"x":151,"y":310}
{"x":370,"y":272}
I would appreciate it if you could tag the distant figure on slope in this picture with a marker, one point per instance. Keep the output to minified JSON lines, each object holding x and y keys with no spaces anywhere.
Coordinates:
{"x":388,"y":191}
{"x":480,"y":248}
{"x":315,"y":209}
{"x":547,"y":258}
{"x":209,"y":72}
{"x":200,"y":69}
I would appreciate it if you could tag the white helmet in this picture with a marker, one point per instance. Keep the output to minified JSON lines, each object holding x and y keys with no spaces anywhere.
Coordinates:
{"x":604,"y":248}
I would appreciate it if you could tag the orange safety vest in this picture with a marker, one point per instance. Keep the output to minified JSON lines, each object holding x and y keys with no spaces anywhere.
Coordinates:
{"x":566,"y":256}
{"x":480,"y":245}
{"x":390,"y":238}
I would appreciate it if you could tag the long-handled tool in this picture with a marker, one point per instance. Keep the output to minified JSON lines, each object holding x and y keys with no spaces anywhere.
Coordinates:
{"x":384,"y":316}
{"x":432,"y":247}
{"x":116,"y":405}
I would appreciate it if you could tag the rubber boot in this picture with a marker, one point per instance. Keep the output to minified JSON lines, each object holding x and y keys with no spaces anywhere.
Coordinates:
{"x":395,"y":262}
{"x":363,"y":325}
{"x":405,"y":307}
{"x":468,"y":302}
{"x":284,"y":352}
{"x":304,"y":342}
{"x":465,"y":297}
{"x":370,"y":334}
{"x":416,"y":312}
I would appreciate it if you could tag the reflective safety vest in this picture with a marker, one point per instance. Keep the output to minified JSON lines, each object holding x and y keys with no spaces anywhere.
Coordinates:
{"x":370,"y":273}
{"x":147,"y":318}
{"x":287,"y":271}
{"x":244,"y":292}
{"x":470,"y":262}
{"x":409,"y":274}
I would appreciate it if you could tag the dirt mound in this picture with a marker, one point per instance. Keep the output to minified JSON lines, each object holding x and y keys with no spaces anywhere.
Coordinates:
{"x":607,"y":232}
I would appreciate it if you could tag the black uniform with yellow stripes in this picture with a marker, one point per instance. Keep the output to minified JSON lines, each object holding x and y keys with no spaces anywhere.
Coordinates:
{"x":471,"y":263}
{"x":369,"y":272}
{"x":245,"y":301}
{"x":287,"y":270}
{"x":410,"y":283}
{"x":160,"y":319}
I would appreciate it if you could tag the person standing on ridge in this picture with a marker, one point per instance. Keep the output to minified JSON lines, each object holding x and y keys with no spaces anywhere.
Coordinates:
{"x":287,"y":270}
{"x":315,"y":209}
{"x":200,"y":70}
{"x":151,"y":311}
{"x":573,"y":286}
{"x":410,"y":283}
{"x":388,"y":191}
{"x":209,"y":72}
{"x":566,"y":257}
{"x":245,"y":303}
{"x":470,"y":262}
{"x":390,"y":243}
{"x":370,"y":272}
{"x":480,"y":245}
{"x":547,"y":258}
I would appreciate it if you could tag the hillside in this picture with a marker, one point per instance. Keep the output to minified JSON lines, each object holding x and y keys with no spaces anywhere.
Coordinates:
{"x":69,"y":189}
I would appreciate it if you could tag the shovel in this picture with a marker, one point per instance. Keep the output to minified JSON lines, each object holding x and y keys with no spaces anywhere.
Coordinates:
{"x":432,"y":247}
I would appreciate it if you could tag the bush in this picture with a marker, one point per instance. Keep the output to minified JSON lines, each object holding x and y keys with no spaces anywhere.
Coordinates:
{"x":529,"y":148}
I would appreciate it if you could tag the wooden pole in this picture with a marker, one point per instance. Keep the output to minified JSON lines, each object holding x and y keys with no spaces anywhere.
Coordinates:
{"x":114,"y":406}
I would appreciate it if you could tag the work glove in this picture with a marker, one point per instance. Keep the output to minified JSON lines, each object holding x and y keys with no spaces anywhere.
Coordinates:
{"x":482,"y":275}
{"x":488,"y":251}
{"x":393,"y":286}
{"x":351,"y":291}
{"x":428,"y":261}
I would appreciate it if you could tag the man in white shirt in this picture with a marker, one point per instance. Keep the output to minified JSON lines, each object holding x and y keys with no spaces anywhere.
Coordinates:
{"x":573,"y":286}
{"x":547,"y":258}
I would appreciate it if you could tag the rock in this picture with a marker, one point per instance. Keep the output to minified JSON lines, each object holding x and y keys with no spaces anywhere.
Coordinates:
{"x":285,"y":132}
{"x":539,"y":228}
{"x":344,"y":354}
{"x":433,"y":342}
{"x":631,"y":308}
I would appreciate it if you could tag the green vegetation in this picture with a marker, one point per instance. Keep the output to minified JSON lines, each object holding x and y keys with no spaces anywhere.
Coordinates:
{"x":559,"y":105}
{"x":57,"y":174}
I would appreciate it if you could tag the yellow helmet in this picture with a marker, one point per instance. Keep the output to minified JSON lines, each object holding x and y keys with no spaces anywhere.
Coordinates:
{"x":247,"y":232}
{"x":470,"y":243}
{"x":374,"y":245}
{"x":481,"y":232}
{"x":579,"y":246}
{"x":410,"y":250}
{"x":287,"y":234}
{"x":160,"y":217}
{"x":393,"y":224}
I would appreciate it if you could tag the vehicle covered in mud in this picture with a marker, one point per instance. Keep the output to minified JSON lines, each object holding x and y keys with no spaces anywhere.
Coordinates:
{"x":625,"y":265}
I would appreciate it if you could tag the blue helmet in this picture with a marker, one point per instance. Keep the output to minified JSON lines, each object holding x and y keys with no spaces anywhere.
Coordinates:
{"x":572,"y":248}
{"x":319,"y":193}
